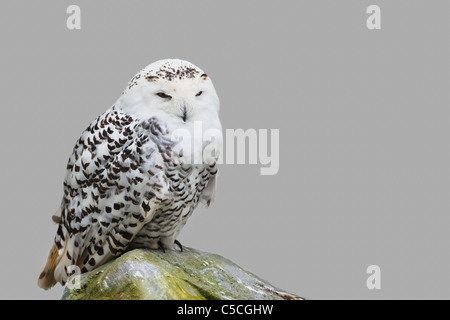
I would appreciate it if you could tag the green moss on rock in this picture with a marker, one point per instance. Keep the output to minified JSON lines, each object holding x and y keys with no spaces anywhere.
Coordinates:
{"x":172,"y":275}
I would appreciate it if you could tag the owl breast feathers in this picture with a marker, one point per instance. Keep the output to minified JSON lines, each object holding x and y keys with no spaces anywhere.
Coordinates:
{"x":125,"y":184}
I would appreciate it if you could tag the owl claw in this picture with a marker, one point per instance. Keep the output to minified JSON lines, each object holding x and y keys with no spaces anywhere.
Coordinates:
{"x":179,"y":245}
{"x":161,"y":246}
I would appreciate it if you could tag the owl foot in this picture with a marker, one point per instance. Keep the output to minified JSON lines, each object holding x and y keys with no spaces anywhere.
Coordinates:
{"x":163,"y":248}
{"x":179,"y":245}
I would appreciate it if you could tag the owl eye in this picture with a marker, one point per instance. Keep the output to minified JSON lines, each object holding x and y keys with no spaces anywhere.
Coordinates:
{"x":163,"y":95}
{"x":199,"y":94}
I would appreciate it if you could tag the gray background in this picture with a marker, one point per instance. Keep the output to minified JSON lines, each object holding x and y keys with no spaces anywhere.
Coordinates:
{"x":363,"y":118}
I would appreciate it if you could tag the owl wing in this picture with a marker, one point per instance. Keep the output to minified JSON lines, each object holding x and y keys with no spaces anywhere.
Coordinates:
{"x":100,"y":214}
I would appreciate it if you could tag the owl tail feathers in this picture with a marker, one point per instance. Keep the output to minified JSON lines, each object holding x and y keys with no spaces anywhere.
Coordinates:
{"x":47,"y":276}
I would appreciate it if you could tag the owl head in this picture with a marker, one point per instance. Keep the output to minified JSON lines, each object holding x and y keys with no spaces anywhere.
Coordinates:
{"x":174,"y":90}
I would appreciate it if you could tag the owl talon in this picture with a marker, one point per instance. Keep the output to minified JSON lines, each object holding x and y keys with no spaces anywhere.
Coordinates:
{"x":161,"y":246}
{"x":179,"y":245}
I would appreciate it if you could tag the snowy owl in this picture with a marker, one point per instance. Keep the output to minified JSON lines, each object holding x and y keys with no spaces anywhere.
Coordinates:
{"x":128,"y":182}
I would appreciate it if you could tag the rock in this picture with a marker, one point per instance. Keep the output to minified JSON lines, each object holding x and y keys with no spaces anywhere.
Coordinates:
{"x":157,"y":275}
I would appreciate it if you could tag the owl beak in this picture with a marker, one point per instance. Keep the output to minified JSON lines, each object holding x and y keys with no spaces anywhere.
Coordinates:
{"x":184,"y":116}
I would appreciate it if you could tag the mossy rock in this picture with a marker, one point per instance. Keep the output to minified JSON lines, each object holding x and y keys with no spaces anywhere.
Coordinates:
{"x":172,"y":275}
